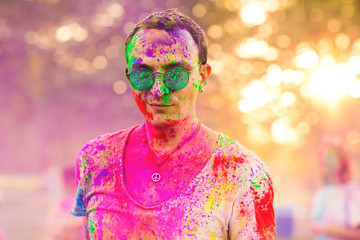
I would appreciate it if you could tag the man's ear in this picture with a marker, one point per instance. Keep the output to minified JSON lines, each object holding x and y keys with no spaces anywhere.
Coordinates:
{"x":127,"y":73}
{"x":204,"y":74}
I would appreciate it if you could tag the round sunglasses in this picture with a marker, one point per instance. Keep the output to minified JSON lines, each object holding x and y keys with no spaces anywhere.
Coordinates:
{"x":175,"y":78}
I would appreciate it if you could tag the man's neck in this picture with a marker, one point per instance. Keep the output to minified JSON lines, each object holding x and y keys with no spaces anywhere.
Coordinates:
{"x":167,"y":138}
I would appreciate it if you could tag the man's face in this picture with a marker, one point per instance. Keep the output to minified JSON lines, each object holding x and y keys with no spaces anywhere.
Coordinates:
{"x":158,"y":50}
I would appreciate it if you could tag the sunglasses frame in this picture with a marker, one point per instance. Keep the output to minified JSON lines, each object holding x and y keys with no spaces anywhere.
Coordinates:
{"x":163,"y":78}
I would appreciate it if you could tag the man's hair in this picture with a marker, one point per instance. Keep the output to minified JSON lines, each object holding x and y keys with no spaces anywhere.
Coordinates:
{"x":170,"y":20}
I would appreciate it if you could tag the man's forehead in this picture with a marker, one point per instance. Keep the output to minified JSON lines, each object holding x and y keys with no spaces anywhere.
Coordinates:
{"x":164,"y":44}
{"x":162,"y":38}
{"x":156,"y":36}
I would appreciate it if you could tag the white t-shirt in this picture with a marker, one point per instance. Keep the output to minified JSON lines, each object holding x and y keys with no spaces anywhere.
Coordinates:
{"x":231,"y":198}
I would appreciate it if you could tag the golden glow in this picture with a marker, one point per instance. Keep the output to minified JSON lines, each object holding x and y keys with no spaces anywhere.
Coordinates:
{"x":283,"y":41}
{"x":334,"y":25}
{"x":248,"y":39}
{"x":255,"y":96}
{"x":271,"y":5}
{"x":217,"y":67}
{"x":252,"y":48}
{"x":273,"y":78}
{"x":199,"y":10}
{"x":271,"y":54}
{"x":261,"y":115}
{"x":215,"y":31}
{"x":232,"y":26}
{"x":347,"y":11}
{"x":215,"y":50}
{"x":354,"y":72}
{"x":342,"y":41}
{"x":356,"y":47}
{"x":232,"y":5}
{"x":266,"y":29}
{"x":287,"y":99}
{"x":303,"y":129}
{"x":244,"y":67}
{"x":331,"y":82}
{"x":253,"y":14}
{"x":259,"y":67}
{"x":282,"y":132}
{"x":306,"y":58}
{"x":316,"y":15}
{"x":326,"y":83}
{"x":217,"y":102}
{"x":293,"y":77}
{"x":354,"y":89}
{"x":257,"y":134}
{"x":354,"y":65}
{"x":353,"y":137}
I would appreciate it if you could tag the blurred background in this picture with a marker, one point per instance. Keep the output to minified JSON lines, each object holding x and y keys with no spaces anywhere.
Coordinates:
{"x":285,"y":74}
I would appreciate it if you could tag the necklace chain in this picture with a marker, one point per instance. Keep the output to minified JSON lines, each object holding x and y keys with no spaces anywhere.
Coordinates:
{"x":156,"y":176}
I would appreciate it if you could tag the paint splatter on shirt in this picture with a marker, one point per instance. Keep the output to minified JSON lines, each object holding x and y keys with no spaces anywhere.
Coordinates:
{"x":231,"y":198}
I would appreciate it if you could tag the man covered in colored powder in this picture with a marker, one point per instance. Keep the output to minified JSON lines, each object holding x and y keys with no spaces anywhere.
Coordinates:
{"x":171,"y":177}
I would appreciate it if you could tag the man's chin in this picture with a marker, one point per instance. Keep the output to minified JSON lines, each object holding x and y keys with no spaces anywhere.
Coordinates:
{"x":162,"y":122}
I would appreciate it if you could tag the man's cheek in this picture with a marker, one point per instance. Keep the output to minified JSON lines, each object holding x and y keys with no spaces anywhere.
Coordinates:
{"x":142,"y":107}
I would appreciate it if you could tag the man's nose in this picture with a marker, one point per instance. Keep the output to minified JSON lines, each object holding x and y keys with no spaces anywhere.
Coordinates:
{"x":159,"y":88}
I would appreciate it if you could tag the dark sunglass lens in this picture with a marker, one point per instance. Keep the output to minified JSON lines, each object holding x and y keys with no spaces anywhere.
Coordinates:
{"x":176,"y":78}
{"x":141,"y":79}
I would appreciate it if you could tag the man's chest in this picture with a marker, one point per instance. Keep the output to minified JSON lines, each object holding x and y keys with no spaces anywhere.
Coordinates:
{"x":152,"y":184}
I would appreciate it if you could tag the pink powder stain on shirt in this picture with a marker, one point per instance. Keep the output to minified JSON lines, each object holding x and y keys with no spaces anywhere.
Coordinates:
{"x":225,"y":163}
{"x":264,"y":213}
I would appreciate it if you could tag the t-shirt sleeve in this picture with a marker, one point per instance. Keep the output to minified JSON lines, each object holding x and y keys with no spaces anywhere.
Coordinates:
{"x":253,"y":213}
{"x":79,"y":208}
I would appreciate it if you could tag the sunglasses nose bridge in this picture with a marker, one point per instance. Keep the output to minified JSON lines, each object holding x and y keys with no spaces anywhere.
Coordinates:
{"x":159,"y":87}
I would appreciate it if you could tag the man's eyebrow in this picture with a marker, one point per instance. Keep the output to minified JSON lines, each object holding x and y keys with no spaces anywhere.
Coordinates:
{"x":140,"y":65}
{"x":178,"y":64}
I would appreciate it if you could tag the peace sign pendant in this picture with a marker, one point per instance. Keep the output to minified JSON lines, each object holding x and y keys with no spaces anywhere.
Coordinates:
{"x":156,"y":177}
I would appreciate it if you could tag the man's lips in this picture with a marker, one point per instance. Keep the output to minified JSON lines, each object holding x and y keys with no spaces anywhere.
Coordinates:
{"x":159,"y":105}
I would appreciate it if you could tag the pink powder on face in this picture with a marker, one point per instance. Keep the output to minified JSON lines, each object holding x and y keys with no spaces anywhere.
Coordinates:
{"x":171,"y":121}
{"x":142,"y":108}
{"x":150,"y":52}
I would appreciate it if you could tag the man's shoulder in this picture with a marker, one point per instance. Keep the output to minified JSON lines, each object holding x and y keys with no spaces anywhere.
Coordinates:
{"x":107,"y":141}
{"x":232,"y":149}
{"x":233,"y":154}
